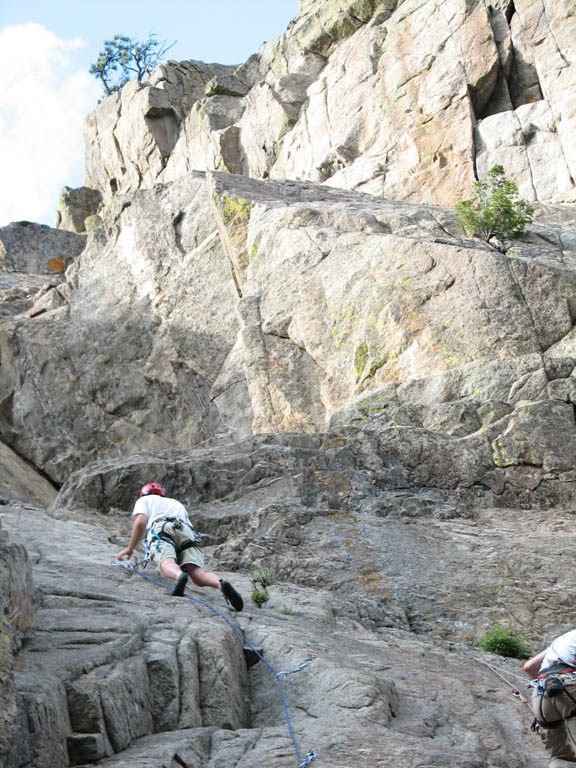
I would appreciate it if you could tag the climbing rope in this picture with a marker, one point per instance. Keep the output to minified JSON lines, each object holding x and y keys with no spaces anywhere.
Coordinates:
{"x":515,"y":691}
{"x":303,"y":763}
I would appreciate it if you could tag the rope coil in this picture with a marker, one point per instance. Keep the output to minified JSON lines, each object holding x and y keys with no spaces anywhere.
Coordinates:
{"x":302,"y":763}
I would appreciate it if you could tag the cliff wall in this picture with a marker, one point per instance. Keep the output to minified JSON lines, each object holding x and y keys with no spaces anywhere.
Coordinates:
{"x":409,"y":101}
{"x":275,"y":316}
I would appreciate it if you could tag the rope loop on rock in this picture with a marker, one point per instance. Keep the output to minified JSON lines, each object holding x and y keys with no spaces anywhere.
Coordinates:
{"x":311,"y":755}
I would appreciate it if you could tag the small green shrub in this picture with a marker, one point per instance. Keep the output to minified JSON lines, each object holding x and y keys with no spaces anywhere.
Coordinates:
{"x":265,"y":577}
{"x":259,"y":597}
{"x":286,"y":610}
{"x":505,"y":643}
{"x":495,"y":211}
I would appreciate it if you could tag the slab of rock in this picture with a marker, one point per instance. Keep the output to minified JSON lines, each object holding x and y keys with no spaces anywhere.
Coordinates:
{"x":285,"y":500}
{"x":92,"y":676}
{"x":108,"y":646}
{"x":17,"y":613}
{"x":285,"y":304}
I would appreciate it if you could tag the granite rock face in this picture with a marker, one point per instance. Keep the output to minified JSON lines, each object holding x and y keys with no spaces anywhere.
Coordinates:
{"x":143,"y":120}
{"x":17,"y":614}
{"x":172,"y":298}
{"x":20,"y":483}
{"x":403,"y":100}
{"x":117,"y":673}
{"x":219,"y":305}
{"x":336,"y":385}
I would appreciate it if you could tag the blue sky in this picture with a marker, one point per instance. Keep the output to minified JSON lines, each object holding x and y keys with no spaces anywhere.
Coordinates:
{"x":45,"y":90}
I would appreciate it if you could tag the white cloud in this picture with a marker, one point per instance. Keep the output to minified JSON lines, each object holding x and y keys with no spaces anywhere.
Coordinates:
{"x":43,"y":100}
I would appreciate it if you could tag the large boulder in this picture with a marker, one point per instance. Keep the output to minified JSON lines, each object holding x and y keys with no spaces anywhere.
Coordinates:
{"x":17,"y":609}
{"x":76,"y":205}
{"x":37,"y":249}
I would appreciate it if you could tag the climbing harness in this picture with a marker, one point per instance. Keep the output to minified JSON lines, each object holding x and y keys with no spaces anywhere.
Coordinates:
{"x":548,"y":684}
{"x":155,"y":537}
{"x":302,"y":763}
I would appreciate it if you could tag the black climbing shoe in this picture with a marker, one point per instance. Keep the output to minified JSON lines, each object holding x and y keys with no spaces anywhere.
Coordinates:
{"x":233,"y":598}
{"x":178,"y":590}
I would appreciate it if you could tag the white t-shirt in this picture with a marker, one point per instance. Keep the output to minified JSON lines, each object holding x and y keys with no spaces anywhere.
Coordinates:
{"x":155,"y":507}
{"x":562,"y":650}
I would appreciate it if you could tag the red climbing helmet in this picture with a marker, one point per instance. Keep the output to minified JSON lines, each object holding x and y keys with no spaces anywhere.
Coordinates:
{"x":153,"y":489}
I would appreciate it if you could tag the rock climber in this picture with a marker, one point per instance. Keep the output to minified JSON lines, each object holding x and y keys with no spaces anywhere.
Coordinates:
{"x":173,"y":543}
{"x":553,"y":703}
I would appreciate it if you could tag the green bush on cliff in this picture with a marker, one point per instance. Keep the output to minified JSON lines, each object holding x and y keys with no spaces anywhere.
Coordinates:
{"x":259,"y":597}
{"x":496,"y":211}
{"x":504,"y":643}
{"x":264,"y":577}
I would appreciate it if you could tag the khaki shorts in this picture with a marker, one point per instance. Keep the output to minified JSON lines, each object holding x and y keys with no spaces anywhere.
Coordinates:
{"x":160,"y":550}
{"x":560,"y":742}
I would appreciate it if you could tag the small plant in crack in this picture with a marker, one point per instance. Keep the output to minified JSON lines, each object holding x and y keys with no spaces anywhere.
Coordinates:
{"x":259,"y":596}
{"x":262,"y":579}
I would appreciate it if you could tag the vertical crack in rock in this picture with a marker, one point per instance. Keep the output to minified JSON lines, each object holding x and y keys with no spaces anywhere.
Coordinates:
{"x":529,"y":167}
{"x":537,"y":336}
{"x":177,"y":224}
{"x":232,"y":216}
{"x":544,"y":16}
{"x":523,"y":79}
{"x":499,"y":100}
{"x":256,"y":364}
{"x":518,"y":82}
{"x":114,"y":183}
